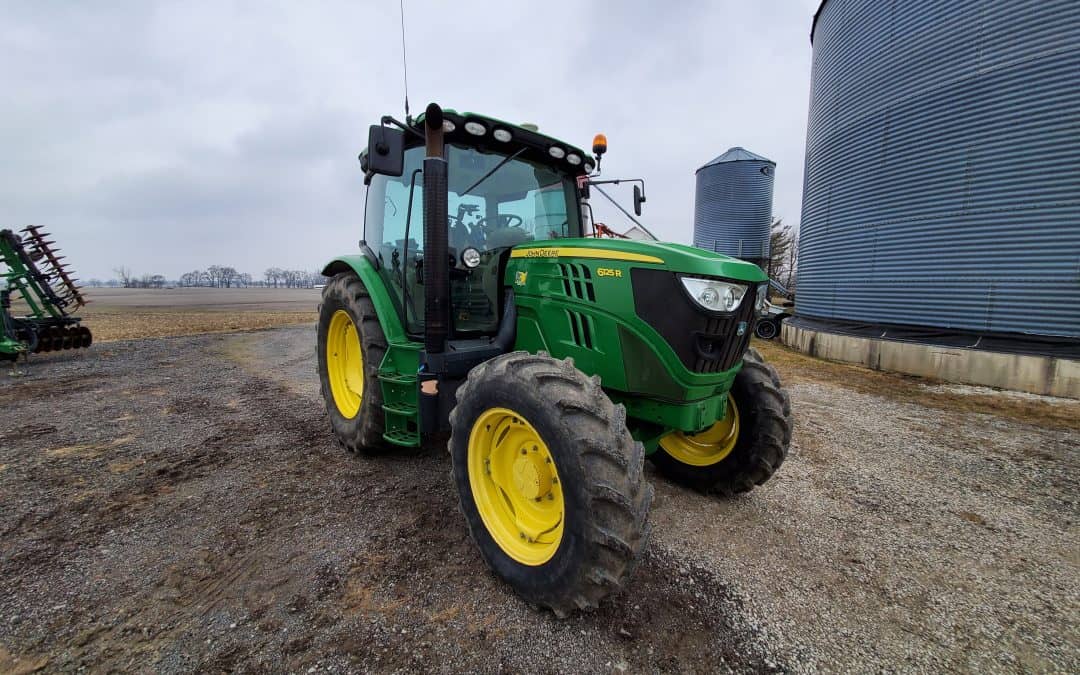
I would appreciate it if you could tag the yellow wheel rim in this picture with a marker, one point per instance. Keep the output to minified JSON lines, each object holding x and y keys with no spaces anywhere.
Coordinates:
{"x":708,"y":447}
{"x":344,"y":364}
{"x":516,"y":486}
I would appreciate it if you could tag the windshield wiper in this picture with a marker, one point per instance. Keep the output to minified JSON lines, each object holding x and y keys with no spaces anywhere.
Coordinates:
{"x":493,"y":170}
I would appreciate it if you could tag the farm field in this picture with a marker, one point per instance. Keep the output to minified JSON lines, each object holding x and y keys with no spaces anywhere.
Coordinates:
{"x":125,"y":313}
{"x":178,"y":503}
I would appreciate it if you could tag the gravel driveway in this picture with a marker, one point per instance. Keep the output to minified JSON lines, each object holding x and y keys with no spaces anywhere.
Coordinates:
{"x":180,"y":505}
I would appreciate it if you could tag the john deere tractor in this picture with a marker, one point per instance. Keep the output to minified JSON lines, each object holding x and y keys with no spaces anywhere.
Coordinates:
{"x":476,"y":305}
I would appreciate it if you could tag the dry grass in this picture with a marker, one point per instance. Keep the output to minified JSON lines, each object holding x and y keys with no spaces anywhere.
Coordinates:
{"x":795,"y":367}
{"x":128,"y":325}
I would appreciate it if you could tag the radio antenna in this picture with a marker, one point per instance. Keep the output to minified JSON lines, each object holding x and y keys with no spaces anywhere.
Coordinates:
{"x":404,"y":62}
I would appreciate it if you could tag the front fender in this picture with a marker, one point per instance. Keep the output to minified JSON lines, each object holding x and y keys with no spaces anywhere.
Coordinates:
{"x":385,"y":308}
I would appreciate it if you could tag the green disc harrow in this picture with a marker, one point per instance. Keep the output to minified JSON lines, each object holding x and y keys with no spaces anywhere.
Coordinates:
{"x":32,"y":271}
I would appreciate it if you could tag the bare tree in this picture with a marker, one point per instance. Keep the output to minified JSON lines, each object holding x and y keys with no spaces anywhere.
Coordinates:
{"x":123,"y":274}
{"x":783,"y":251}
{"x":228,"y":276}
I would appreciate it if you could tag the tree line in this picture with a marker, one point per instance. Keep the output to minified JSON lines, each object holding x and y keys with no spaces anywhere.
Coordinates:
{"x":215,"y":276}
{"x":126,"y":279}
{"x":291,"y":278}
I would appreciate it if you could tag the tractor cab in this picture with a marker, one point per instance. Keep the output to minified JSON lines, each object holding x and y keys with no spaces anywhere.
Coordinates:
{"x":506,"y":185}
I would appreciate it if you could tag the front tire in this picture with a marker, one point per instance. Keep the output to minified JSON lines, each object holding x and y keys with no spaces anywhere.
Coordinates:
{"x":549,"y":480}
{"x":743,"y":450}
{"x":351,"y":345}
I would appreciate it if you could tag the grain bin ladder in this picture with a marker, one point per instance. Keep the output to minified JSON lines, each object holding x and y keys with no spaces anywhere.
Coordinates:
{"x":33,"y":270}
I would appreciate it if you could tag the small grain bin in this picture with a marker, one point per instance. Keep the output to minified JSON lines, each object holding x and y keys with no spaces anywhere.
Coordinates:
{"x":733,"y":205}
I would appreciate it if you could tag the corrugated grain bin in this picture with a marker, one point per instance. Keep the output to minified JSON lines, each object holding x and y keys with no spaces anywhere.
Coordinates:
{"x":733,"y":205}
{"x":942,"y":184}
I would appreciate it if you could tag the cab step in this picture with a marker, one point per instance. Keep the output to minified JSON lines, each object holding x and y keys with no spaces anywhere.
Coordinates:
{"x":396,"y":378}
{"x":402,"y":437}
{"x":403,"y":409}
{"x":401,"y":420}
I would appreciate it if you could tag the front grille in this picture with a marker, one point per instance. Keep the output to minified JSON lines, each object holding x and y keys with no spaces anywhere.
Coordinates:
{"x":705,"y":342}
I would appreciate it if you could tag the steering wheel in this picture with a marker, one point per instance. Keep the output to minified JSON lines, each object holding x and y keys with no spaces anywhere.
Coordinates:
{"x":505,"y":220}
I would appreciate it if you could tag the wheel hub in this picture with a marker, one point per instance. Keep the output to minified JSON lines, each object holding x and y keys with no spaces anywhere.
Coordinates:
{"x":515,"y":486}
{"x":709,"y":447}
{"x":532,"y":477}
{"x":345,"y":364}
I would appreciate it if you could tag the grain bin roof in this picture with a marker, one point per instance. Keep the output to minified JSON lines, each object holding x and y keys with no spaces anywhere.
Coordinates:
{"x":737,"y":154}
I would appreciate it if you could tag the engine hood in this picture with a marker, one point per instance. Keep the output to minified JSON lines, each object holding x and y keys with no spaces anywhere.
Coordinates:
{"x":675,"y":257}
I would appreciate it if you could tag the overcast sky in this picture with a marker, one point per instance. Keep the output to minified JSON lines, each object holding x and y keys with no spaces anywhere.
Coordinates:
{"x":171,"y":136}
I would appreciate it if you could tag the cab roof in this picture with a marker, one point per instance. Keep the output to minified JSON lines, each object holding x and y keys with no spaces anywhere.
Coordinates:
{"x":538,"y":147}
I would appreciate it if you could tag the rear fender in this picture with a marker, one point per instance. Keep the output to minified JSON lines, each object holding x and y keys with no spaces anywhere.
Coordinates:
{"x":376,"y":287}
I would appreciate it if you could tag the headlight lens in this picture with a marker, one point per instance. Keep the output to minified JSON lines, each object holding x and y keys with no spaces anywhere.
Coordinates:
{"x":471,"y":257}
{"x":556,"y":152}
{"x":475,"y":128}
{"x":714,"y":295}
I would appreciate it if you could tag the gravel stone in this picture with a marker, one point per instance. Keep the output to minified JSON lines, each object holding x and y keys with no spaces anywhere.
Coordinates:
{"x":156,"y":492}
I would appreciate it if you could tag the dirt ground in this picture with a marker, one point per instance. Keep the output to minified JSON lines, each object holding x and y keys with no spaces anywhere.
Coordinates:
{"x":180,"y":505}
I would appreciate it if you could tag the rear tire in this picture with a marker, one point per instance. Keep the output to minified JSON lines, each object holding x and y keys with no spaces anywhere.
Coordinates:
{"x":764,"y":434}
{"x":359,"y":430}
{"x":602,"y":495}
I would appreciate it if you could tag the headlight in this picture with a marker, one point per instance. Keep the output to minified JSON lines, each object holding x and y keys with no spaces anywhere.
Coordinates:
{"x":759,"y":299}
{"x":471,"y":257}
{"x":713,"y":295}
{"x":475,"y":128}
{"x":556,"y":152}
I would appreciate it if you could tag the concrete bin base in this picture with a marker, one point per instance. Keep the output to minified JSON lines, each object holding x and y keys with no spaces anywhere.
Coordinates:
{"x":1020,"y":372}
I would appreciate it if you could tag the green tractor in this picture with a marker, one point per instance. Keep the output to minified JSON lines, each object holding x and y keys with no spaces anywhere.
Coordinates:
{"x":557,"y":362}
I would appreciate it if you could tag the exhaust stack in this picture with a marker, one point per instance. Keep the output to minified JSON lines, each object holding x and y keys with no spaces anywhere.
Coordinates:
{"x":436,"y":272}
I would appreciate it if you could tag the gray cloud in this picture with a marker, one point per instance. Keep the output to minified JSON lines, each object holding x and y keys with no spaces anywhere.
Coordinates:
{"x":170,"y":136}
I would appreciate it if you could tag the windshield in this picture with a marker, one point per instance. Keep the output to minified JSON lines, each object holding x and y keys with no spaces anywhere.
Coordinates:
{"x":495,"y":202}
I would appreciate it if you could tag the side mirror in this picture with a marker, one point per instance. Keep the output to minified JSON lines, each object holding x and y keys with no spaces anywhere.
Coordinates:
{"x":639,"y":199}
{"x":385,"y":151}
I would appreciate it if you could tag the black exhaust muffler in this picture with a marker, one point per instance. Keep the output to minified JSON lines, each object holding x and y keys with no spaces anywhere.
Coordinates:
{"x":436,"y":254}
